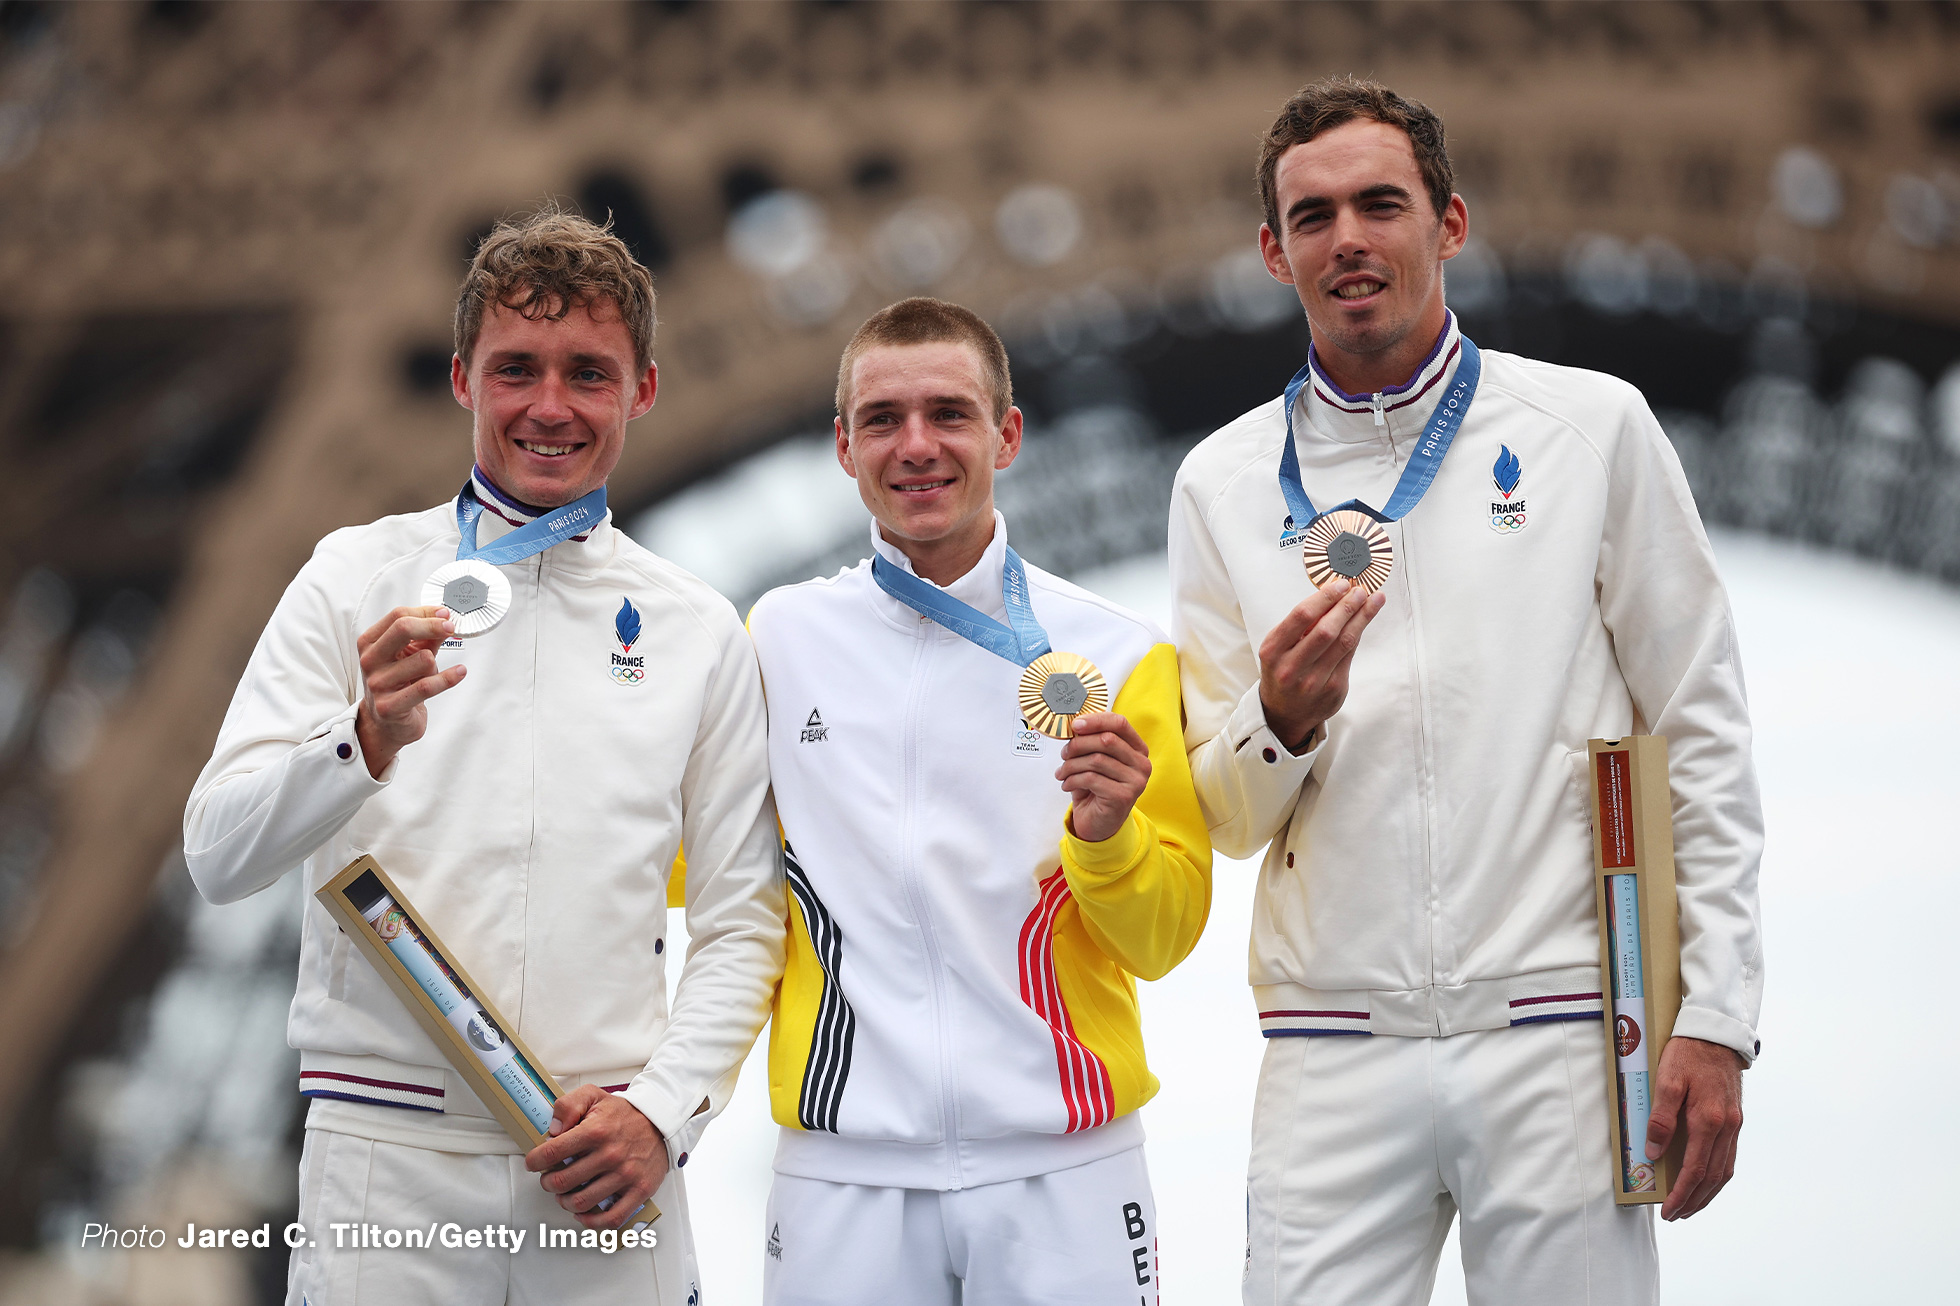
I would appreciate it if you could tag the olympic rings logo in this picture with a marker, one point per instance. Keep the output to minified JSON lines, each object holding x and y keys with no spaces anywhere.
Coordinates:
{"x":1507,"y":522}
{"x":629,"y":675}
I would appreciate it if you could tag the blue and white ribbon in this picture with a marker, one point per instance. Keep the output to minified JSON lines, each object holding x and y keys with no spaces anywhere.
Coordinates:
{"x":554,"y":527}
{"x":1020,"y":642}
{"x":1423,"y":464}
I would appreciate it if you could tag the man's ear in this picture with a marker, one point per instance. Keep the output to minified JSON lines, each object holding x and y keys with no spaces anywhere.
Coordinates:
{"x":1010,"y":440}
{"x":844,"y":459}
{"x":1456,"y":228}
{"x":1274,"y":255}
{"x":644,"y":392}
{"x":459,"y":382}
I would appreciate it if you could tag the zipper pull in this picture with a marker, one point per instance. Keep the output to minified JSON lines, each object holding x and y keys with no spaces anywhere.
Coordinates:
{"x":1380,"y":418}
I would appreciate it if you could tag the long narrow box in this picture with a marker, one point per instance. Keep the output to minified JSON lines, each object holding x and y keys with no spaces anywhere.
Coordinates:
{"x":474,"y":1037}
{"x":1639,"y":947}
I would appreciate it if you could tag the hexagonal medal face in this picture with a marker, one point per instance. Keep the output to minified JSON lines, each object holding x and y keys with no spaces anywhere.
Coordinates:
{"x":465,"y":594}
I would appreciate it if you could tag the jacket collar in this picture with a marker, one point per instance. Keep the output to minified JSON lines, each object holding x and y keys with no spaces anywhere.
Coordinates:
{"x":980,"y":587}
{"x":503,"y":514}
{"x":1403,"y":409}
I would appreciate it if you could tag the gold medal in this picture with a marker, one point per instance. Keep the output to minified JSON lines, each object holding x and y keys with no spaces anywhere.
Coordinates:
{"x":1059,"y":687}
{"x":1349,"y":544}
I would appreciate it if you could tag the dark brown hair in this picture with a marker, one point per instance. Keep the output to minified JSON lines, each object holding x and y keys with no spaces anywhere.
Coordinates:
{"x":925,"y":321}
{"x":548,"y":263}
{"x":1327,"y":104}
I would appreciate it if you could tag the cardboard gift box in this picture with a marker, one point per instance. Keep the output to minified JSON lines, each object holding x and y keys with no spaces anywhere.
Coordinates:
{"x":449,"y":1006}
{"x":1639,"y":947}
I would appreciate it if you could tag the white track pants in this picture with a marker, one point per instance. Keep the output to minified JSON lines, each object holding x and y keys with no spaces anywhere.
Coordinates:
{"x":1364,"y":1148}
{"x":1086,"y":1236}
{"x":386,"y":1186}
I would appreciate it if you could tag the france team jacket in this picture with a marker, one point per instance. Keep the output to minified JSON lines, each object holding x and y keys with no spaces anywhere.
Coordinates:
{"x":959,"y":1001}
{"x":1430,"y":862}
{"x":614,"y":712}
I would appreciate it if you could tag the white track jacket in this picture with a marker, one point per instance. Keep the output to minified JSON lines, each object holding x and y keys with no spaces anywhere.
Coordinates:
{"x":959,"y":1002}
{"x":1431,"y":859}
{"x":613,"y":714}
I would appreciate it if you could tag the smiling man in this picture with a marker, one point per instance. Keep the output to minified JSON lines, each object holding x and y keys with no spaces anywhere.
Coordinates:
{"x":990,"y":832}
{"x":1502,"y":561}
{"x":526,"y":763}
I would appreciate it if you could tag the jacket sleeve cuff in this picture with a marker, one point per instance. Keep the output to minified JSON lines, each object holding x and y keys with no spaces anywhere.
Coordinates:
{"x":1268,"y":766}
{"x":1111,"y":858}
{"x":680,"y":1127}
{"x":342,"y":742}
{"x":1714,"y":1027}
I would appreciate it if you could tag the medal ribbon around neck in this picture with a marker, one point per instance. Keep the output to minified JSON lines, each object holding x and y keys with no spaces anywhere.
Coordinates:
{"x":1348,"y":539}
{"x":1055,"y":687}
{"x":475,"y":592}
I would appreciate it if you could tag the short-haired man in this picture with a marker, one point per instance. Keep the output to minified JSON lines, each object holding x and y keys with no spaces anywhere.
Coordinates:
{"x":529,"y":790}
{"x":956,"y":1059}
{"x":1412,"y":741}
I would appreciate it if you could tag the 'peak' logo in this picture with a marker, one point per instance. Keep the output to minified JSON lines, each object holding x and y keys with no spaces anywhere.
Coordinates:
{"x":814,"y":730}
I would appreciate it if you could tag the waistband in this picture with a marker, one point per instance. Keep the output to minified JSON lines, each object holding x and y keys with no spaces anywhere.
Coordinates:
{"x":1569,"y":993}
{"x":379,"y":1081}
{"x":947,"y":1167}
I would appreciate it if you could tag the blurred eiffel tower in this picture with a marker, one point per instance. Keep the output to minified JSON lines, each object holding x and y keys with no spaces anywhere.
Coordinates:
{"x":231,"y":235}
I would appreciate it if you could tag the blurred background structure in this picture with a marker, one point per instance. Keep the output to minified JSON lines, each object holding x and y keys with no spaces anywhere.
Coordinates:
{"x":231,"y":236}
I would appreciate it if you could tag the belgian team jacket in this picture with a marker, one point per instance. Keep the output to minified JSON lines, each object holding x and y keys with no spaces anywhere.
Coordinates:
{"x":959,"y":1002}
{"x":1430,"y":861}
{"x":614,"y":712}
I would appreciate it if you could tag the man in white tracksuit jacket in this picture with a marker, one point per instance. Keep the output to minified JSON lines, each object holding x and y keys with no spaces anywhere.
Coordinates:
{"x":957,"y":1053}
{"x":528,"y":789}
{"x":1425,"y":954}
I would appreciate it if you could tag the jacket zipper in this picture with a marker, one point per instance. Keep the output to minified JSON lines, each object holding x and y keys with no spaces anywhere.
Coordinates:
{"x":922,"y":912}
{"x":1426,"y":763}
{"x":1381,"y":418}
{"x":536,"y":579}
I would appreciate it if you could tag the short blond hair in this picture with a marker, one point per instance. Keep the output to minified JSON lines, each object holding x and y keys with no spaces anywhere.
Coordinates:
{"x":922,"y":320}
{"x":546,"y":264}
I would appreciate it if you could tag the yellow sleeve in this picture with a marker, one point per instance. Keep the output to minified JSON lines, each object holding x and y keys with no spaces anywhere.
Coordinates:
{"x":1145,"y":891}
{"x":677,"y":878}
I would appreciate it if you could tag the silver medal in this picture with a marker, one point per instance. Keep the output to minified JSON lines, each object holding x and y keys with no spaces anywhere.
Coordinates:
{"x":476,"y":594}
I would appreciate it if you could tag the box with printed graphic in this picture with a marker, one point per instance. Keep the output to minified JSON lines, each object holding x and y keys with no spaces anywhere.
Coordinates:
{"x":1639,"y":947}
{"x":477,"y":1042}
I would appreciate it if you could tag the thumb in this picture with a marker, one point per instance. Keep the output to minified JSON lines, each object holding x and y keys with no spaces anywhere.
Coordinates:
{"x":566,"y":1112}
{"x":1667,"y":1114}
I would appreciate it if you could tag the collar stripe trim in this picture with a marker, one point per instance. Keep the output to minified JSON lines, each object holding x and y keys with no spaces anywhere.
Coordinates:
{"x":1313,"y":357}
{"x":1367,"y":407}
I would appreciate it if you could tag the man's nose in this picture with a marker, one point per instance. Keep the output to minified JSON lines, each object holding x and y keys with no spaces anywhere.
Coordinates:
{"x":551,"y":402}
{"x":1350,"y":234}
{"x":917,"y":441}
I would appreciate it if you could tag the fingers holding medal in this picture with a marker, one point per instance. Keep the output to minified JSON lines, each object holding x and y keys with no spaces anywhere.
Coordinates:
{"x":1056,"y":688}
{"x":1347,"y":545}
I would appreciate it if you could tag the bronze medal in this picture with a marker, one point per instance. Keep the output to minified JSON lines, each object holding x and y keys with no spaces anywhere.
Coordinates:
{"x":1347,"y":544}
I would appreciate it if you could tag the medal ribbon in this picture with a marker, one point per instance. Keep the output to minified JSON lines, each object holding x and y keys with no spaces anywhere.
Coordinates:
{"x":1423,"y":464}
{"x":557,"y":525}
{"x":1021,"y":644}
